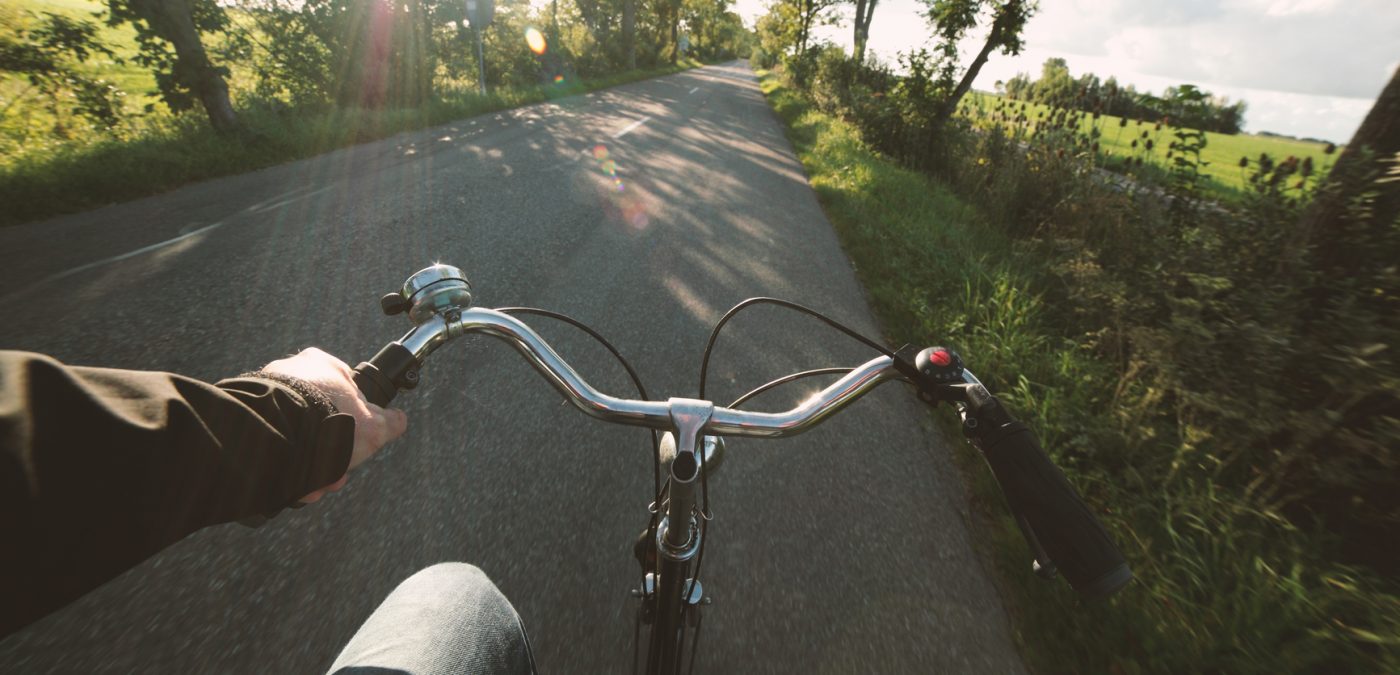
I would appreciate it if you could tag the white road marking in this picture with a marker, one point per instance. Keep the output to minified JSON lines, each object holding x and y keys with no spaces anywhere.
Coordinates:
{"x":629,"y":128}
{"x":694,"y":89}
{"x":105,"y":261}
{"x":185,"y":233}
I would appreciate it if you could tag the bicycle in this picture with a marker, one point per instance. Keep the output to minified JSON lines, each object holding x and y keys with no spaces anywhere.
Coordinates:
{"x":1063,"y":535}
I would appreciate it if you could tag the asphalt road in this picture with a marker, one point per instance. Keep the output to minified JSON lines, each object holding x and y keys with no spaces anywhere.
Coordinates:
{"x":840,"y":551}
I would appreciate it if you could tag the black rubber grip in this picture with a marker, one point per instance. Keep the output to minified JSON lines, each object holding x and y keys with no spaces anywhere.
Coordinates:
{"x":381,"y":378}
{"x":1042,"y":500}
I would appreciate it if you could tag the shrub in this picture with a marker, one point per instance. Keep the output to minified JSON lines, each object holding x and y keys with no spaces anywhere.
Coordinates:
{"x":760,"y":58}
{"x":1226,"y":396}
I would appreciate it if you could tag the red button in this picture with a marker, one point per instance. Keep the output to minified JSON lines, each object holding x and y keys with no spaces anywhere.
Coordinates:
{"x":941,"y":358}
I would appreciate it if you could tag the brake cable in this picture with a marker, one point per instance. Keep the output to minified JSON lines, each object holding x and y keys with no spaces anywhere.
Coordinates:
{"x":637,"y":381}
{"x":705,"y":514}
{"x":787,"y":379}
{"x":714,"y":334}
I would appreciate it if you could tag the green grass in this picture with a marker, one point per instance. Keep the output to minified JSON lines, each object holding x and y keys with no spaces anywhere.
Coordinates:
{"x":1222,"y":587}
{"x":1222,"y":152}
{"x":176,"y":151}
{"x":25,"y":129}
{"x":135,"y":80}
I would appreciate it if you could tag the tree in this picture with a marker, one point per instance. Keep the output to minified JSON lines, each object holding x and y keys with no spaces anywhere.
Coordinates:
{"x":186,"y":75}
{"x":865,"y":9}
{"x":811,"y":13}
{"x":777,"y":30}
{"x":1231,"y":118}
{"x":952,"y":19}
{"x":597,"y":16}
{"x":1020,"y":86}
{"x":371,"y":53}
{"x":1055,"y":85}
{"x":715,"y":32}
{"x":673,"y":20}
{"x":629,"y":34}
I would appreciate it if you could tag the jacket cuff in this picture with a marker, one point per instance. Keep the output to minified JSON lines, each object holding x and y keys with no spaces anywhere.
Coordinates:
{"x":310,"y":393}
{"x":321,"y":438}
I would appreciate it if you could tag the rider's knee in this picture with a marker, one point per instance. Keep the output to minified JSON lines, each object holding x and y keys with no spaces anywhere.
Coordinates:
{"x":467,"y":583}
{"x":450,"y":573}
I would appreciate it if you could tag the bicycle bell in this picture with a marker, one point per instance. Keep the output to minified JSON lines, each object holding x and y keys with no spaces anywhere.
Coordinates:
{"x":432,"y":290}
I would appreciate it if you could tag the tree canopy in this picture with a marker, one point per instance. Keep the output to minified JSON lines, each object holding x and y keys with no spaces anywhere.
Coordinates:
{"x":1186,"y":104}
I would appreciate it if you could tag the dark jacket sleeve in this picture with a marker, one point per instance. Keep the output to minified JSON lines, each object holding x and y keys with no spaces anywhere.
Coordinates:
{"x":101,"y":468}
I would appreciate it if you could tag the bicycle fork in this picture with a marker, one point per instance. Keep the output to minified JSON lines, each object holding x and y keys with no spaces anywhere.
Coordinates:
{"x":666,"y":554}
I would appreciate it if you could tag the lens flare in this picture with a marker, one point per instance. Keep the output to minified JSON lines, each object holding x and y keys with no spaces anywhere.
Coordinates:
{"x":535,"y":39}
{"x":627,"y":208}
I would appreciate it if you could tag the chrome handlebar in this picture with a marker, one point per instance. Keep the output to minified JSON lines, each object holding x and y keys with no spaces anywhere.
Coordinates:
{"x":438,"y":302}
{"x":440,"y":328}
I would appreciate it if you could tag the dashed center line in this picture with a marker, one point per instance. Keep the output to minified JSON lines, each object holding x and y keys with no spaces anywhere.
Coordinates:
{"x":629,"y":128}
{"x":694,"y":89}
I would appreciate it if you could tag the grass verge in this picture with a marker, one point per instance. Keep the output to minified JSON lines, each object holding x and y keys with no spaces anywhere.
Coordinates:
{"x":186,"y":149}
{"x":1222,"y":587}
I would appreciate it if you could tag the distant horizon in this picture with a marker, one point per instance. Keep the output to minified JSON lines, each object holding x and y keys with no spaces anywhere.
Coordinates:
{"x":1140,"y":43}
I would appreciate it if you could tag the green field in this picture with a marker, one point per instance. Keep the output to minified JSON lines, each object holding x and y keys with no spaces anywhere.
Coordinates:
{"x":25,"y":118}
{"x":135,"y":80}
{"x":1222,"y":153}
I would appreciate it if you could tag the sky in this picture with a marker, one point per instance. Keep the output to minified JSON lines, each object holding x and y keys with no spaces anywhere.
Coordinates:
{"x":1307,"y":68}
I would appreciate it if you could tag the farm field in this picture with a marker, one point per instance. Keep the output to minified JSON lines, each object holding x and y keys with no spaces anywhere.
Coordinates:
{"x":1222,"y":151}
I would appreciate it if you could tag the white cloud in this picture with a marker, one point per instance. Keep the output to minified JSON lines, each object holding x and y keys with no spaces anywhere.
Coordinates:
{"x":1305,"y":67}
{"x":1287,"y":7}
{"x":1319,"y":47}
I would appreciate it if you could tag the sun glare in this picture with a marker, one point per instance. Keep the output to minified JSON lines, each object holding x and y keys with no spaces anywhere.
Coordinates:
{"x":535,"y":39}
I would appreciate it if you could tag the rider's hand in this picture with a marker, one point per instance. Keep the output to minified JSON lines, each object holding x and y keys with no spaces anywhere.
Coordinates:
{"x":374,"y":426}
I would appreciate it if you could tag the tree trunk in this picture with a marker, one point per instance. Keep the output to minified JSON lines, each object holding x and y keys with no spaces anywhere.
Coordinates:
{"x":858,"y":49}
{"x":420,"y":55}
{"x":1377,"y":140}
{"x":1007,"y":23}
{"x":950,"y":105}
{"x":629,"y":33}
{"x":864,"y":10}
{"x":171,"y":19}
{"x":675,"y":30}
{"x":805,"y":27}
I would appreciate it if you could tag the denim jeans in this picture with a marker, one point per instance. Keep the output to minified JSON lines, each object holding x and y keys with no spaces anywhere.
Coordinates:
{"x":448,"y":618}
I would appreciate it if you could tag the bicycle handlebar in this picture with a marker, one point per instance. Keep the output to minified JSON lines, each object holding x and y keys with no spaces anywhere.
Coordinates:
{"x":1056,"y":523}
{"x":395,"y":367}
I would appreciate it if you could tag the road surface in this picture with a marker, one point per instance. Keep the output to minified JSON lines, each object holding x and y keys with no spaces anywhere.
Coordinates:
{"x":646,"y":211}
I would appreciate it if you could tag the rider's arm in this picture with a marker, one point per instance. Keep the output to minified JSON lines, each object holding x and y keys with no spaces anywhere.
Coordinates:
{"x":101,"y":468}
